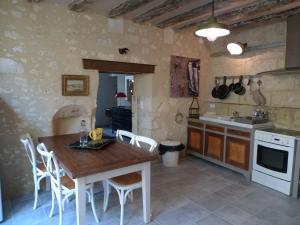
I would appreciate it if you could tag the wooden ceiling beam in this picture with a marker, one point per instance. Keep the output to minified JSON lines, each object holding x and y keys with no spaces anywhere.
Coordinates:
{"x":271,"y":11}
{"x":181,"y":10}
{"x":34,"y":1}
{"x":126,"y":7}
{"x":204,"y":11}
{"x":252,"y":11}
{"x":79,"y":5}
{"x":278,"y":15}
{"x":166,"y":6}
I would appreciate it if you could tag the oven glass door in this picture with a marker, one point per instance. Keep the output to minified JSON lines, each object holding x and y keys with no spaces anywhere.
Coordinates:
{"x":273,"y":159}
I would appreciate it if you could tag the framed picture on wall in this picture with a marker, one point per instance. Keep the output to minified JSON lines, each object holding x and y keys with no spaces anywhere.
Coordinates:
{"x":75,"y":85}
{"x":184,"y":76}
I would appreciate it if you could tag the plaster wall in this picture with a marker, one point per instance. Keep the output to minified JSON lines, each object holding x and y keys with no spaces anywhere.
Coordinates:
{"x":41,"y":41}
{"x":281,"y":91}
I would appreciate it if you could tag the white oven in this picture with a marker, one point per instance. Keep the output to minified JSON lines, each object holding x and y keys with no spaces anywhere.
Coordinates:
{"x":273,"y":160}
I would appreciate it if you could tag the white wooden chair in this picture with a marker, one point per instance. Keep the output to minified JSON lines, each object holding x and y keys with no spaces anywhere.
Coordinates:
{"x":61,"y":185}
{"x":120,"y":134}
{"x":39,"y":171}
{"x":123,"y":133}
{"x":141,"y":139}
{"x":125,"y":184}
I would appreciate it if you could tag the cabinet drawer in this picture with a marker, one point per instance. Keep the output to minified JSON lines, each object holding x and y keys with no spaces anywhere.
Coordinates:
{"x":239,"y":133}
{"x":214,"y":127}
{"x":195,"y":124}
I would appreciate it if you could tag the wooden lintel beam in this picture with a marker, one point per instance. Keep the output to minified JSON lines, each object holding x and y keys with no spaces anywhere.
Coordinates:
{"x":166,"y":6}
{"x":117,"y":67}
{"x":250,"y":12}
{"x":126,"y":7}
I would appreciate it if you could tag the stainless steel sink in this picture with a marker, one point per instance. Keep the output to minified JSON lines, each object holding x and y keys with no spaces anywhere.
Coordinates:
{"x":250,"y":120}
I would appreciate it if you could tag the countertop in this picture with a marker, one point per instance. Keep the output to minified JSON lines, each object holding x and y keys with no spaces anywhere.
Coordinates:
{"x":233,"y":123}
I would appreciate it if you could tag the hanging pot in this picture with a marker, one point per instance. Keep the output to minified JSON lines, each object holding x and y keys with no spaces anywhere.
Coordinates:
{"x":223,"y":90}
{"x":239,"y":88}
{"x":214,"y":90}
{"x":231,"y":86}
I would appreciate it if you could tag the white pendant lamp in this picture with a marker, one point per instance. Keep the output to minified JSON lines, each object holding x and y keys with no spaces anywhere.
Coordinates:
{"x":236,"y":48}
{"x":211,"y":29}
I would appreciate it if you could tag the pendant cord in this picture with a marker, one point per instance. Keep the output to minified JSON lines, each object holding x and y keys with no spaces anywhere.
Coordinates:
{"x":213,"y":8}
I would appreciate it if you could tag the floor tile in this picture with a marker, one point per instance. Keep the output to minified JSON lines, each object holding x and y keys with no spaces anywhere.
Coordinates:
{"x":233,"y":215}
{"x":195,"y":192}
{"x":212,"y":220}
{"x":274,"y":217}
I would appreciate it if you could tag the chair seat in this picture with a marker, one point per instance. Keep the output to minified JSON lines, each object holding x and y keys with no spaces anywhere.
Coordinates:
{"x":67,"y":182}
{"x":127,"y":179}
{"x":41,"y":167}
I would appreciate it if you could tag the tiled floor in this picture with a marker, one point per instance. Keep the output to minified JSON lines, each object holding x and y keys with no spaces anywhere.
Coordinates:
{"x":195,"y":193}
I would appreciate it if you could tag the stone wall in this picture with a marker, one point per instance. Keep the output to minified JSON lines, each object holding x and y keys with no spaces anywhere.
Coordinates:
{"x":281,"y":91}
{"x":40,"y":42}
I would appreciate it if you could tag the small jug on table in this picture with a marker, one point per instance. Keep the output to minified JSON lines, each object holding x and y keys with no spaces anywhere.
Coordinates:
{"x":96,"y":134}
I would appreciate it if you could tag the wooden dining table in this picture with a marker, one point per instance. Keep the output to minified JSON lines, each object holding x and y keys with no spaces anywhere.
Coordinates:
{"x":88,"y":166}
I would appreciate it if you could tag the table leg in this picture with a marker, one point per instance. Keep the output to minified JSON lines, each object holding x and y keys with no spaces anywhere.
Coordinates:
{"x":80,"y":201}
{"x":146,"y":192}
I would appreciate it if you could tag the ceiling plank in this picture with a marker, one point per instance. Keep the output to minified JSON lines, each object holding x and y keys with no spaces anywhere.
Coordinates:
{"x":144,"y":8}
{"x":262,"y":11}
{"x":126,"y":7}
{"x":166,"y":6}
{"x":181,"y":10}
{"x":79,"y":5}
{"x":199,"y":14}
{"x":34,"y":1}
{"x":252,"y":11}
{"x":279,"y":15}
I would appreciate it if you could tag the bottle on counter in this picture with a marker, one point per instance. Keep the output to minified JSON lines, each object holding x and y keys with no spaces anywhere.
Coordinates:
{"x":83,"y":134}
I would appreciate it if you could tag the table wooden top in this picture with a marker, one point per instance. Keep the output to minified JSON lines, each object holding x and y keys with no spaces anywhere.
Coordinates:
{"x":78,"y":162}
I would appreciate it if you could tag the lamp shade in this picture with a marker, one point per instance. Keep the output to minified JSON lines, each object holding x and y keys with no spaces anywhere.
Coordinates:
{"x":212,"y":29}
{"x":236,"y":48}
{"x":120,"y":95}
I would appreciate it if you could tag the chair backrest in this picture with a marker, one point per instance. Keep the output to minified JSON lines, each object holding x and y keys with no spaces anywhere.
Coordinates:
{"x":123,"y":133}
{"x":29,"y":148}
{"x":146,"y":140}
{"x":51,"y":165}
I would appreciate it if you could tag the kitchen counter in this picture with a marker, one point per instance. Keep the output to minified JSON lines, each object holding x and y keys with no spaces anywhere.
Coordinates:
{"x":229,"y":122}
{"x":222,"y":141}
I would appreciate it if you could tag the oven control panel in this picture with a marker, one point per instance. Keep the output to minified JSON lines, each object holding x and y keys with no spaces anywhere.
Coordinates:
{"x":275,"y":138}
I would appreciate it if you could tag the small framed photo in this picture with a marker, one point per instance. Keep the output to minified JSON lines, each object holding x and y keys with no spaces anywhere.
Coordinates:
{"x":75,"y":85}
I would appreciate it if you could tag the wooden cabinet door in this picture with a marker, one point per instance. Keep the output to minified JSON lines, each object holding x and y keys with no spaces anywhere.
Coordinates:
{"x":237,"y":152}
{"x":214,"y":145}
{"x":195,"y":138}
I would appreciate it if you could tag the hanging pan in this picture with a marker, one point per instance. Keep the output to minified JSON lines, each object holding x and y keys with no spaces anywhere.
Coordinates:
{"x":239,"y":89}
{"x":223,"y":90}
{"x":214,"y":90}
{"x":231,"y":86}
